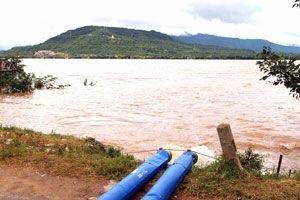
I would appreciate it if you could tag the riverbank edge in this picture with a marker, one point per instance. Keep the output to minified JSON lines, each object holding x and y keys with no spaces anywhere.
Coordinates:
{"x":69,"y":156}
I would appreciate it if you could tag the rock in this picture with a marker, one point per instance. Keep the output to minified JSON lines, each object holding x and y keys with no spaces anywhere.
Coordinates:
{"x":8,"y":141}
{"x":111,"y":184}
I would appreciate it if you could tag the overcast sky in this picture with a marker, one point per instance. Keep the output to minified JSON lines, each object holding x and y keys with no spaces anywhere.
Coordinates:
{"x":25,"y":22}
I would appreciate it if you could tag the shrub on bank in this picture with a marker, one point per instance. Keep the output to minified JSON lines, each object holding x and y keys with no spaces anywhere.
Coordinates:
{"x":222,"y":180}
{"x":14,"y":79}
{"x":252,"y":162}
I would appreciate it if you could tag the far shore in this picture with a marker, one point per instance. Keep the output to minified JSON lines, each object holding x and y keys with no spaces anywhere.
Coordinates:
{"x":137,"y":57}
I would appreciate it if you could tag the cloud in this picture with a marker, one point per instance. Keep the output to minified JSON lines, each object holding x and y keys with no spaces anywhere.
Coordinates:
{"x":235,"y":12}
{"x":35,"y":22}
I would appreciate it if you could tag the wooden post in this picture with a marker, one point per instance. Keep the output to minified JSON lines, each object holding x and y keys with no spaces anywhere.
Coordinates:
{"x":228,"y":145}
{"x":279,"y":164}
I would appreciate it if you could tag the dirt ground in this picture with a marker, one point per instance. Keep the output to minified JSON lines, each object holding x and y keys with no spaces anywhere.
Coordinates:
{"x":26,"y":183}
{"x":31,"y":184}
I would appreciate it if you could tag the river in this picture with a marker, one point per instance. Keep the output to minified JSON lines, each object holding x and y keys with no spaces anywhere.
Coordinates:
{"x":146,"y":104}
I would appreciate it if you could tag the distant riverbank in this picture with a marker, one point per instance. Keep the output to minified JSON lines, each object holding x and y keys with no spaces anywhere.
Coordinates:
{"x":143,"y":58}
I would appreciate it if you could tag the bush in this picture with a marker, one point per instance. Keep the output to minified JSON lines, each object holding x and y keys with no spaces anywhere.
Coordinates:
{"x":45,"y":82}
{"x":251,"y":161}
{"x":22,"y":83}
{"x":296,"y":175}
{"x":18,"y":80}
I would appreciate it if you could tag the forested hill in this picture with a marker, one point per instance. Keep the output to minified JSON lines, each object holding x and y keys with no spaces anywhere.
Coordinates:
{"x":109,"y":42}
{"x":236,"y":43}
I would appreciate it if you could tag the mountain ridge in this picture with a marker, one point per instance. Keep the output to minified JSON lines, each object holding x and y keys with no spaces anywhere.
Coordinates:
{"x":114,"y":42}
{"x":237,"y":43}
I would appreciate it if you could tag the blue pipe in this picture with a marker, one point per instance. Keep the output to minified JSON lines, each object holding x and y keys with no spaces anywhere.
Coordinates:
{"x":128,"y":186}
{"x":167,"y":183}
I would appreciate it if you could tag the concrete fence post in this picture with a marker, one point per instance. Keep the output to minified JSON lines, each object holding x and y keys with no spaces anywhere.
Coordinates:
{"x":228,"y":145}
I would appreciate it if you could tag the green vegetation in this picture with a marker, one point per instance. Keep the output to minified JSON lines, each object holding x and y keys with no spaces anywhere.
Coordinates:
{"x":108,"y":42}
{"x":221,"y":180}
{"x":252,"y":162}
{"x":62,"y":155}
{"x":71,"y":156}
{"x":236,"y":43}
{"x":47,"y":82}
{"x":285,"y":70}
{"x":297,"y":175}
{"x":16,"y":80}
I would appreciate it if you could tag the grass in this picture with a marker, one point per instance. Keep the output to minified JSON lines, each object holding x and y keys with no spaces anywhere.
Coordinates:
{"x":71,"y":156}
{"x":63,"y":155}
{"x":225,"y":181}
{"x":297,"y":175}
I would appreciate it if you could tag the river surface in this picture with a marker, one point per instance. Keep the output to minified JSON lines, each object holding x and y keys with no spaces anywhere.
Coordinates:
{"x":146,"y":104}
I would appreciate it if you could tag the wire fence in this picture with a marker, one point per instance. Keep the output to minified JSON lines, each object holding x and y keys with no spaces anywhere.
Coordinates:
{"x":170,"y":149}
{"x":264,"y":170}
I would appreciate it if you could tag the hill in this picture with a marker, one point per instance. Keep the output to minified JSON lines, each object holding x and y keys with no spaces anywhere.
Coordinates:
{"x":236,"y":43}
{"x":109,"y":42}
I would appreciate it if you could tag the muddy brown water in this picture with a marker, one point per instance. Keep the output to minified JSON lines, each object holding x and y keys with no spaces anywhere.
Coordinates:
{"x":146,"y":104}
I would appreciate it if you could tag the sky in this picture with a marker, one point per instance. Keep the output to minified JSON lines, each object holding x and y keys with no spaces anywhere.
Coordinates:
{"x":28,"y":22}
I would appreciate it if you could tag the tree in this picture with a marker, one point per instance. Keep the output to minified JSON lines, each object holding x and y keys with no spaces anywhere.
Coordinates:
{"x":19,"y":81}
{"x":284,"y":70}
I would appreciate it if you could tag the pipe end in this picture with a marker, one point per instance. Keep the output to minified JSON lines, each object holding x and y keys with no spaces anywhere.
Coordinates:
{"x":194,"y":155}
{"x":168,"y":152}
